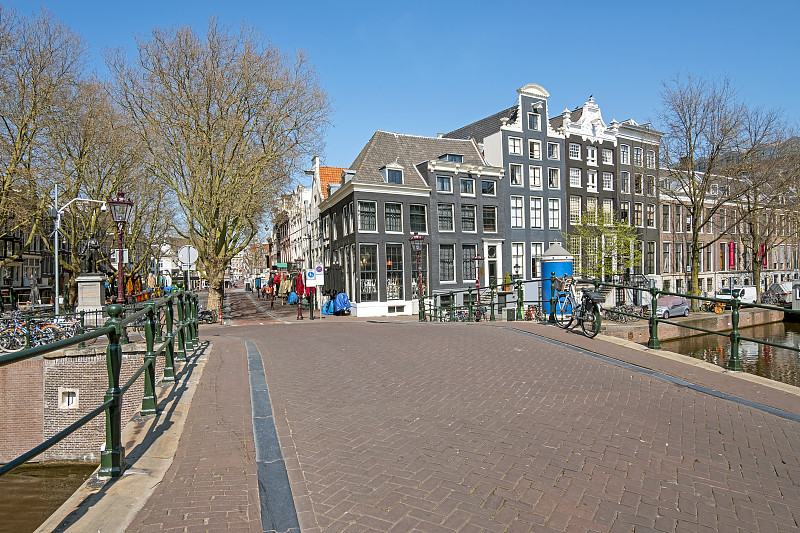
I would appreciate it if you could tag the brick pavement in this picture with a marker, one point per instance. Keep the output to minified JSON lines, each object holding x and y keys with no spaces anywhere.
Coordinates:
{"x":400,"y":426}
{"x":392,"y":425}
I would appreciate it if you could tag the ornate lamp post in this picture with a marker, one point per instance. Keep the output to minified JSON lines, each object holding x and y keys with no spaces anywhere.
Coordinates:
{"x":296,"y":287}
{"x":478,"y":260}
{"x":121,"y":208}
{"x":416,"y":247}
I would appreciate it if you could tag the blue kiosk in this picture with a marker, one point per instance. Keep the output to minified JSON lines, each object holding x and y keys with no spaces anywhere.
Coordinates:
{"x":555,"y":260}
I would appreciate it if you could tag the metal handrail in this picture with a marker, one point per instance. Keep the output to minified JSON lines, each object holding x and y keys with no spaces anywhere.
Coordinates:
{"x":112,"y":461}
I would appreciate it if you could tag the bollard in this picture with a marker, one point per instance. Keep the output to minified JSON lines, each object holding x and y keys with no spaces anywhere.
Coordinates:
{"x":653,"y":342}
{"x":452,"y":307}
{"x":469,"y":306}
{"x":520,"y":302}
{"x":149,"y":397}
{"x":112,"y":457}
{"x":734,"y":363}
{"x":491,"y":295}
{"x":552,"y":318}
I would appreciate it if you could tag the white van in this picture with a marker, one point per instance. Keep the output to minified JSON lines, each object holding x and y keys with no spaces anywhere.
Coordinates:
{"x":747,"y":294}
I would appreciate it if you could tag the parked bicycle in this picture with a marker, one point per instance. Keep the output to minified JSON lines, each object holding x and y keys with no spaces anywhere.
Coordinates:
{"x":14,"y":335}
{"x":713,"y":307}
{"x":585,"y":311}
{"x":535,"y":312}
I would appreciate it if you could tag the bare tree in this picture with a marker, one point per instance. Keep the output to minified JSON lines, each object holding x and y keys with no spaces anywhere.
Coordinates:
{"x":226,"y":118}
{"x":605,"y":246}
{"x":765,"y":169}
{"x":40,"y":62}
{"x":703,"y":125}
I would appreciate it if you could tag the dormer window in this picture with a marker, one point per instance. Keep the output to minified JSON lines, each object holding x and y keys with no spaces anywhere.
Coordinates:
{"x":393,"y":174}
{"x":453,"y":158}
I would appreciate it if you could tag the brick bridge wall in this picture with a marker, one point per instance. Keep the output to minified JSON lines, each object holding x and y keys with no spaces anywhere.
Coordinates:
{"x":30,"y":401}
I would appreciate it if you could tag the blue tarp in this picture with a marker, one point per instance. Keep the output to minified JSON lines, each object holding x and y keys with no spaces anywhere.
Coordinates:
{"x":292,"y":298}
{"x":341,"y":302}
{"x":327,"y":308}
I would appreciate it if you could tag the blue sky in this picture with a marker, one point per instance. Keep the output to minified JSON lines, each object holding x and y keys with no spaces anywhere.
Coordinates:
{"x":422,"y":67}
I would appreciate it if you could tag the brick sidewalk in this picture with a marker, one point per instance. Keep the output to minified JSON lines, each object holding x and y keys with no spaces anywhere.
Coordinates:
{"x":392,"y":425}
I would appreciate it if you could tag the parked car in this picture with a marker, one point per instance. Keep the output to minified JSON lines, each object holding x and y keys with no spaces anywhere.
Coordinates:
{"x":671,"y":306}
{"x":746,"y":294}
{"x":782,"y":292}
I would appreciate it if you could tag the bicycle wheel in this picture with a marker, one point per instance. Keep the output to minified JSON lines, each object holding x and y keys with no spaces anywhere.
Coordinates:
{"x":48,"y":334}
{"x":719,"y":308}
{"x":12,"y":339}
{"x":590,"y":324}
{"x":564,"y":311}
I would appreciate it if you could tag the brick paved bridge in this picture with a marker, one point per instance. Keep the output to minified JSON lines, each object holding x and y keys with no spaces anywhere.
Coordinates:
{"x":400,"y":426}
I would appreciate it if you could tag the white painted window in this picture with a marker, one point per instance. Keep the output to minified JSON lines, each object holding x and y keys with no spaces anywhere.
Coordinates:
{"x":574,"y":177}
{"x":625,"y":181}
{"x":651,"y":159}
{"x":515,"y":146}
{"x":574,"y":209}
{"x":534,"y":121}
{"x":553,"y":178}
{"x":515,"y":174}
{"x":624,"y":154}
{"x":517,"y":217}
{"x":574,"y":151}
{"x":534,"y":149}
{"x":552,"y":151}
{"x":591,"y":155}
{"x":608,"y":156}
{"x":608,"y":181}
{"x":591,"y":180}
{"x":536,"y":212}
{"x":637,"y":156}
{"x":535,"y":174}
{"x":554,"y":213}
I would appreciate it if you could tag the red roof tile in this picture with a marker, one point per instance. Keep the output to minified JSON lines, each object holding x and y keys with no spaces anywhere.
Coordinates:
{"x":329,"y":175}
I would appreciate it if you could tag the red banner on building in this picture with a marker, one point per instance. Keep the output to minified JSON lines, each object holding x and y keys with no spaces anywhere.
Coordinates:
{"x":732,"y":255}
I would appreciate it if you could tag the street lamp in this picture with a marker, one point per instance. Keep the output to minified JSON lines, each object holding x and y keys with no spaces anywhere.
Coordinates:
{"x":297,"y":288}
{"x":58,"y":211}
{"x":416,"y":247}
{"x":121,"y":208}
{"x":516,"y":271}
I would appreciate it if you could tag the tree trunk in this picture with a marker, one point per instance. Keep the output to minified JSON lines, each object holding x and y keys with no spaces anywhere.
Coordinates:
{"x":216,"y":290}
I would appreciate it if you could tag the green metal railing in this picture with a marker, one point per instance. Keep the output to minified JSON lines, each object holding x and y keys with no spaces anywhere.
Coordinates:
{"x":431,"y":309}
{"x":184,"y":331}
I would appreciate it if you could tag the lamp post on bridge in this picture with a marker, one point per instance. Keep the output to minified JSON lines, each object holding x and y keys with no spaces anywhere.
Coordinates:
{"x":299,"y":263}
{"x":121,"y":208}
{"x":416,"y":246}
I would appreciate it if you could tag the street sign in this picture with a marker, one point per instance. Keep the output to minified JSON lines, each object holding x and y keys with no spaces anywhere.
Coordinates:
{"x":114,"y":256}
{"x":319,"y":272}
{"x":281,"y":265}
{"x":311,"y":278}
{"x":187,"y":254}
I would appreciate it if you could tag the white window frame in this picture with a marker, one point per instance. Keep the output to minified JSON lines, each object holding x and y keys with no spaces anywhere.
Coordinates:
{"x":608,"y":210}
{"x":401,"y":217}
{"x":537,"y":251}
{"x":651,"y":159}
{"x":625,"y":182}
{"x":554,"y":206}
{"x":553,"y":176}
{"x":574,"y":209}
{"x":518,"y":258}
{"x":462,"y":180}
{"x":591,"y":210}
{"x":535,"y":149}
{"x":625,"y":208}
{"x":521,"y":177}
{"x":515,"y":145}
{"x":449,"y":182}
{"x":535,"y":177}
{"x":553,"y":151}
{"x":608,"y":156}
{"x":638,"y":207}
{"x":360,"y":229}
{"x":624,"y":154}
{"x":650,"y":209}
{"x":494,"y":188}
{"x":591,"y":181}
{"x":537,"y":212}
{"x":575,"y":151}
{"x":452,"y":218}
{"x":591,"y":155}
{"x":608,"y":181}
{"x":517,"y":212}
{"x":474,"y":218}
{"x":575,"y":178}
{"x":637,"y":156}
{"x":538,"y":121}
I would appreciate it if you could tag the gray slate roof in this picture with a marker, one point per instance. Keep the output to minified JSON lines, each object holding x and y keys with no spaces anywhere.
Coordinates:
{"x":385,"y":148}
{"x":483,"y":128}
{"x":557,"y":122}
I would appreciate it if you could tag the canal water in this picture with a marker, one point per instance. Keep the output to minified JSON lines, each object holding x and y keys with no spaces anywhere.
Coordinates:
{"x":779,"y":364}
{"x":31,"y":493}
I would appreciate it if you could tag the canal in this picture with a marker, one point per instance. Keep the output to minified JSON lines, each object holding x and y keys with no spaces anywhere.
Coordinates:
{"x":779,"y":364}
{"x":31,"y":493}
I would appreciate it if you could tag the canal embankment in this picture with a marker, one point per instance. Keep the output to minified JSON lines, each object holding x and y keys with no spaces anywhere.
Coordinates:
{"x":673,"y":328}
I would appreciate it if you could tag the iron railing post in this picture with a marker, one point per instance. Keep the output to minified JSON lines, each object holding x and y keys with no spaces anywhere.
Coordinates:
{"x":452,"y":307}
{"x":28,"y":324}
{"x":734,"y":363}
{"x":653,"y":342}
{"x":520,"y":303}
{"x":149,"y":397}
{"x":421,"y":310}
{"x":469,"y":305}
{"x":188,"y":302}
{"x":552,"y":318}
{"x":491,"y":297}
{"x":81,"y":327}
{"x":112,"y":457}
{"x":180,"y":352}
{"x":169,"y":337}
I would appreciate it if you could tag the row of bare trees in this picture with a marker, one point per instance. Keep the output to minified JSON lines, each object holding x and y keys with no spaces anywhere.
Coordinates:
{"x":722,"y":155}
{"x":202,"y":131}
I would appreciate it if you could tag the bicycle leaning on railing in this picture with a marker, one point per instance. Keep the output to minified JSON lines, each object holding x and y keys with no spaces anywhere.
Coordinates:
{"x":586,"y":311}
